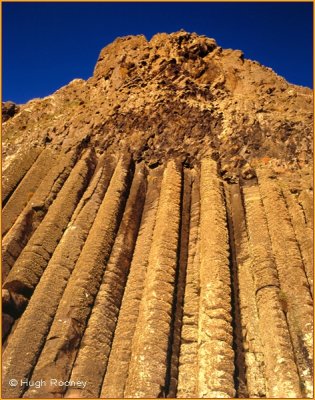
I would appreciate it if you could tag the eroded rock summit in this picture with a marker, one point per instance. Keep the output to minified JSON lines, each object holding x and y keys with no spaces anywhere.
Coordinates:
{"x":177,"y":95}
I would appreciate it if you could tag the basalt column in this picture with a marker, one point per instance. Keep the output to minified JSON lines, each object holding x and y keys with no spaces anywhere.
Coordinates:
{"x":120,"y":352}
{"x":28,"y":337}
{"x":295,"y":288}
{"x":215,"y":353}
{"x":281,"y":371}
{"x":62,"y":344}
{"x":147,"y":369}
{"x":188,"y":358}
{"x":38,"y":205}
{"x":29,"y":267}
{"x":95,"y":346}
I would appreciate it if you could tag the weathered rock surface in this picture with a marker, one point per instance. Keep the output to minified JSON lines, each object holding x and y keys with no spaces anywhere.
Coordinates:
{"x":157,"y":229}
{"x":9,"y":109}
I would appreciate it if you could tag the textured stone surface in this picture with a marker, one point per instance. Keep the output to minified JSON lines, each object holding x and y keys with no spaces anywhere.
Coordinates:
{"x":147,"y":370}
{"x":158,"y":229}
{"x":118,"y":365}
{"x":281,"y":371}
{"x":295,"y":288}
{"x":35,"y":210}
{"x":9,"y":109}
{"x":175,"y":95}
{"x":28,"y":339}
{"x":75,"y":305}
{"x":215,"y":353}
{"x":95,"y":346}
{"x":24,"y":193}
{"x":251,"y":343}
{"x":187,"y":370}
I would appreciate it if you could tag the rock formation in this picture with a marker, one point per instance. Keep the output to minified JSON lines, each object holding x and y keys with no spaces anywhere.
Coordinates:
{"x":157,"y":229}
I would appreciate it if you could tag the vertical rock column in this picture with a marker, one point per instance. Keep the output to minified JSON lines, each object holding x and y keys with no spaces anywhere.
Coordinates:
{"x":36,"y":209}
{"x":28,"y":269}
{"x":120,"y":354}
{"x":172,"y":373}
{"x":148,"y":366}
{"x":26,"y":189}
{"x":280,"y":369}
{"x":58,"y":354}
{"x":188,"y":359}
{"x":303,"y":233}
{"x":238,"y":342}
{"x":28,"y":337}
{"x":295,"y":289}
{"x":307,"y":202}
{"x":16,"y":170}
{"x":92,"y":358}
{"x":215,"y":353}
{"x":252,"y":344}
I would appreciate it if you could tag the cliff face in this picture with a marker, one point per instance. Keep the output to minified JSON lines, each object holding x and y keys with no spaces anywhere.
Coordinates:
{"x":157,"y":229}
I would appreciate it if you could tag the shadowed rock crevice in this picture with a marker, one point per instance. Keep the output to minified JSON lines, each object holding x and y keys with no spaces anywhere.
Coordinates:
{"x":180,"y":280}
{"x":238,"y":339}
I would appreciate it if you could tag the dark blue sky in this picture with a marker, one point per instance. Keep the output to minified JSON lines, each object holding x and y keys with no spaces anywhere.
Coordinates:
{"x":46,"y":45}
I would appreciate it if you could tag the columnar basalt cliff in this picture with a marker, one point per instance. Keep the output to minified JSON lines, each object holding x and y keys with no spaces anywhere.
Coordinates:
{"x":157,"y":229}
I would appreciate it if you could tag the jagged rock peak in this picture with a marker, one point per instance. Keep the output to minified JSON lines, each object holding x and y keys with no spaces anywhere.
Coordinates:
{"x":130,"y":52}
{"x":178,"y":95}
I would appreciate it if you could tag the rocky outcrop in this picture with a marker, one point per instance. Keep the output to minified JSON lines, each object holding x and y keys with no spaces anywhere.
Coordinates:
{"x":9,"y":109}
{"x":175,"y":95}
{"x":157,"y":230}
